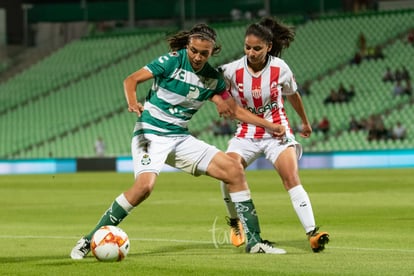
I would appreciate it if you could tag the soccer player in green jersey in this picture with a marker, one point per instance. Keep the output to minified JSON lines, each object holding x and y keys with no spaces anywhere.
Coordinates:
{"x":183,"y":81}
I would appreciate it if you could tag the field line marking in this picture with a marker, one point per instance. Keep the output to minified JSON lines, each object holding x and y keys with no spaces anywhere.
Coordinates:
{"x":372,"y":249}
{"x":71,"y":238}
{"x":193,"y":241}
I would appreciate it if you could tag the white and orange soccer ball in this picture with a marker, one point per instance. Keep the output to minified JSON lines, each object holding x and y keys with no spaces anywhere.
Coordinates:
{"x":110,"y":243}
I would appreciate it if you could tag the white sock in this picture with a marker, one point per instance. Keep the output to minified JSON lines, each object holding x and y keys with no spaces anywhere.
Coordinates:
{"x":240,"y":196}
{"x":303,"y":208}
{"x":231,"y":209}
{"x":123,"y":202}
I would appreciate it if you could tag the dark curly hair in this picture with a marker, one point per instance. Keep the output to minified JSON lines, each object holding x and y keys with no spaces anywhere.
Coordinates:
{"x":273,"y":32}
{"x":202,"y":31}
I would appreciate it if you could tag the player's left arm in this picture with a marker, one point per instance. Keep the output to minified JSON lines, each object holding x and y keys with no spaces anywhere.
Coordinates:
{"x":227,"y":107}
{"x":296,"y":101}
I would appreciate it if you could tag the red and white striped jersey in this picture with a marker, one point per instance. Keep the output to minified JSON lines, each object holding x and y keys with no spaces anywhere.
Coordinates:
{"x":261,"y":94}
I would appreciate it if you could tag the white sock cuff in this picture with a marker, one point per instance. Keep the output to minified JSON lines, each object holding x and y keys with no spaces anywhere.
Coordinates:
{"x":240,"y":196}
{"x":123,"y":202}
{"x":296,"y":191}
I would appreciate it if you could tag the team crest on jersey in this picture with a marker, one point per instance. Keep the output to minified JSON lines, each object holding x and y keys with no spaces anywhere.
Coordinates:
{"x":257,"y":93}
{"x":193,"y":93}
{"x":146,"y":160}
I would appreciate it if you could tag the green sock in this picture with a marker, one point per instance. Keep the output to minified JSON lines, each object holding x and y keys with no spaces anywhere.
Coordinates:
{"x":247,"y":214}
{"x":113,"y":216}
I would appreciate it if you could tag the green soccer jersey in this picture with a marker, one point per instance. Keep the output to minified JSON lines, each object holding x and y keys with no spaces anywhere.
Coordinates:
{"x":176,"y":95}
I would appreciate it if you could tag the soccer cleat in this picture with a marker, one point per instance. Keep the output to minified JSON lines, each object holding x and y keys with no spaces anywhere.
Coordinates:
{"x":81,"y":249}
{"x":236,"y":231}
{"x":318,"y":240}
{"x":266,"y":248}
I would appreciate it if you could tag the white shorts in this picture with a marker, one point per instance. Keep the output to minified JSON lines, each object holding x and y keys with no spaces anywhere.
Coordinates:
{"x":150,"y":152}
{"x":250,"y":149}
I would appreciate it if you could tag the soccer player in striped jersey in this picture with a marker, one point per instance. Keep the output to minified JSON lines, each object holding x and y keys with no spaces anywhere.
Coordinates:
{"x":183,"y":81}
{"x":258,"y":81}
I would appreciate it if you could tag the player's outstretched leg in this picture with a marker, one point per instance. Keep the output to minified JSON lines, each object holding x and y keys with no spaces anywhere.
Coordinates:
{"x":118,"y":210}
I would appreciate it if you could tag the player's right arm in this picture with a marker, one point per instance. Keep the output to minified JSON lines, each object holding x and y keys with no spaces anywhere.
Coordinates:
{"x":130,"y":88}
{"x":159,"y":67}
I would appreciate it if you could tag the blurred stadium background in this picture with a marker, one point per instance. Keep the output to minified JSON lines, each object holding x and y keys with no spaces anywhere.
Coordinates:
{"x":62,"y":66}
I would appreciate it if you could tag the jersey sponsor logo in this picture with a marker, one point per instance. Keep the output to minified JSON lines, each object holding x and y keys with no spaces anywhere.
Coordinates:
{"x":178,"y":74}
{"x":257,"y":93}
{"x":263,"y":109}
{"x":173,"y":110}
{"x":146,"y":160}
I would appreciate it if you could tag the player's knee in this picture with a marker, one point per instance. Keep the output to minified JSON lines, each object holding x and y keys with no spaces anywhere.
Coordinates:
{"x":290,"y":181}
{"x":227,"y":169}
{"x":140,"y":191}
{"x":146,"y":189}
{"x":234,"y":171}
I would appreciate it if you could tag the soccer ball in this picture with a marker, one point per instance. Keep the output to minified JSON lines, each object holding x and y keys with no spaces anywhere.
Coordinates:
{"x":110,"y":243}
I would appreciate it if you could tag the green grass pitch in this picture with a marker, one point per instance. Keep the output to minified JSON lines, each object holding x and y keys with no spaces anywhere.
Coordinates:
{"x":181,"y":230}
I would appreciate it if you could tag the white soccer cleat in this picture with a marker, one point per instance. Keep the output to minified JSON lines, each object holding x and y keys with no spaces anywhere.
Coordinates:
{"x":266,"y":249}
{"x":81,"y":249}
